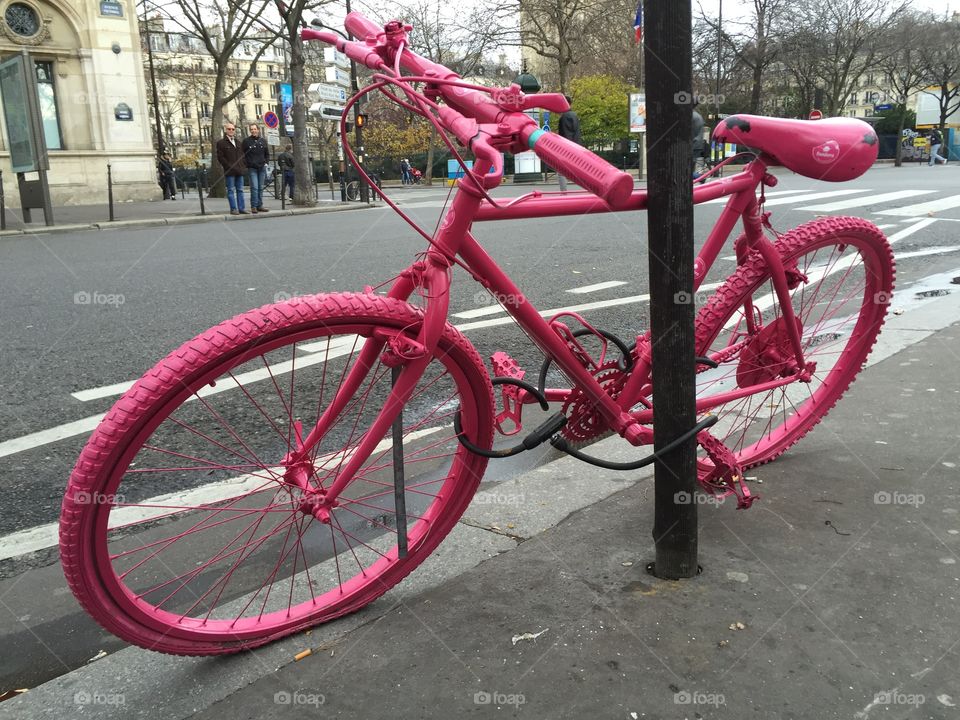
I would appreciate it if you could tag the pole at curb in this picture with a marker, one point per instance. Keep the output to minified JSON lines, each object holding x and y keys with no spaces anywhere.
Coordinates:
{"x":110,"y":190}
{"x":203,"y":210}
{"x":3,"y":205}
{"x":669,"y":84}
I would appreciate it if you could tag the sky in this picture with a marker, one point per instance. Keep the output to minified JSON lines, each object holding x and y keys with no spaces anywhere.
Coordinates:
{"x":741,"y":7}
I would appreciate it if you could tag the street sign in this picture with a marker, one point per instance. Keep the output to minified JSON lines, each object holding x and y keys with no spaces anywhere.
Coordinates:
{"x":883,"y":108}
{"x":335,"y":57}
{"x":271,"y":120}
{"x":334,"y":93}
{"x":327,"y":112}
{"x":272,"y":134}
{"x":336,"y":75}
{"x":816,"y":115}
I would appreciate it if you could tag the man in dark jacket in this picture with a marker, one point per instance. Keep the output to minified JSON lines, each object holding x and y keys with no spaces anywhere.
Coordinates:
{"x":256,"y":154}
{"x":167,"y":182}
{"x":285,"y":164}
{"x":230,"y":157}
{"x":568,"y":127}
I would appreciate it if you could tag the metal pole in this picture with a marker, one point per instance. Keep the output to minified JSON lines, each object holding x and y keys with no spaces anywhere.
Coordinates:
{"x":670,"y":238}
{"x":358,"y":131}
{"x":203,"y":210}
{"x":110,"y":190}
{"x":718,"y":151}
{"x":3,"y":205}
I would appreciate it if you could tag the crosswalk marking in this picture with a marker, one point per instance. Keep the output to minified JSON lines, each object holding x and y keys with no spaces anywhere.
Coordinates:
{"x":596,"y":287}
{"x":723,"y":200}
{"x":812,"y":196}
{"x":921,"y":209}
{"x":867,"y":200}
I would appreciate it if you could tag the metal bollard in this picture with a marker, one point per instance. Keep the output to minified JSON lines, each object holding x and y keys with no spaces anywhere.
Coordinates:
{"x":110,"y":190}
{"x":203,"y":210}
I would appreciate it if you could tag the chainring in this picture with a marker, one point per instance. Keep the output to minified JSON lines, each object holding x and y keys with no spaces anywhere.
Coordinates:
{"x":584,"y":422}
{"x":768,"y":356}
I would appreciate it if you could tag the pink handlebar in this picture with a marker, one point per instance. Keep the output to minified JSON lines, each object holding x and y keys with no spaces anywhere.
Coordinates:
{"x":589,"y":171}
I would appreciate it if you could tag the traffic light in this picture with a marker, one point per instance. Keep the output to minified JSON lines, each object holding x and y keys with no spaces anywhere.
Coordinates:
{"x":361,"y":120}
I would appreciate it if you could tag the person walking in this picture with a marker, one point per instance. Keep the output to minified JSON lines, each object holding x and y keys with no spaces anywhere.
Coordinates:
{"x":256,"y":154}
{"x":697,"y":142}
{"x":230,"y":157}
{"x":167,"y":177}
{"x":405,"y":177}
{"x":285,"y":164}
{"x":569,"y":128}
{"x":936,"y":140}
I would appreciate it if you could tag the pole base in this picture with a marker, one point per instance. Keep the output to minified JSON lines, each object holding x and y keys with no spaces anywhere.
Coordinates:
{"x":681,"y":574}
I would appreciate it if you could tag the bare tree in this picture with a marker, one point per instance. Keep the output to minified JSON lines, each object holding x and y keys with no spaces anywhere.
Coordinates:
{"x":905,"y":66}
{"x":223,"y":27}
{"x":940,"y":53}
{"x":847,"y":35}
{"x":557,"y":29}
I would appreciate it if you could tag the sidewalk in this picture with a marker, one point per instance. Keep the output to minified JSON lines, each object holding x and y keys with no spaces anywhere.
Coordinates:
{"x":185,"y":209}
{"x":835,"y":596}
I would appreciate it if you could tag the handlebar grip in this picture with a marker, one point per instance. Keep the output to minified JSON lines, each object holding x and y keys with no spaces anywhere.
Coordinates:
{"x":589,"y":171}
{"x":360,"y":26}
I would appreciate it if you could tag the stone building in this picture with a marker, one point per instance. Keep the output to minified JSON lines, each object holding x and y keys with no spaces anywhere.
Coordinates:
{"x":92,"y":97}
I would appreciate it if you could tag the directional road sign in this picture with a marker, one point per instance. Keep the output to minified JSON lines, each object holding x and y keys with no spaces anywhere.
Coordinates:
{"x":333,"y":93}
{"x":336,"y":75}
{"x":327,"y":112}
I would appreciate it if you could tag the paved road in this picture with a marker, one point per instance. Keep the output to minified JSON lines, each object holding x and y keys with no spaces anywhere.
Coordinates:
{"x":86,"y":312}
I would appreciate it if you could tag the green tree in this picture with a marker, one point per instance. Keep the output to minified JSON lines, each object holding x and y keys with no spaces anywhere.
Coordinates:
{"x":601,"y":101}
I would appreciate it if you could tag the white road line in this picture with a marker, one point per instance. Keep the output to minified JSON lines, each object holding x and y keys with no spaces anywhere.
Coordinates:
{"x":811,"y":196}
{"x":921,"y":209}
{"x":928,"y":251}
{"x":494,"y":309}
{"x":910,"y":230}
{"x":45,"y":536}
{"x":888,"y":225}
{"x":723,"y":200}
{"x":868,"y":200}
{"x":597,"y":287}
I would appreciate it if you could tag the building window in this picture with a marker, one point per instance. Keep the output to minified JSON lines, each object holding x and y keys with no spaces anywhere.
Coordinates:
{"x":205,"y":110}
{"x":187,"y":133}
{"x":204,"y":133}
{"x":259,"y":111}
{"x":273,"y":91}
{"x":257,"y":91}
{"x":185,"y":110}
{"x":49,"y":113}
{"x":22,"y":20}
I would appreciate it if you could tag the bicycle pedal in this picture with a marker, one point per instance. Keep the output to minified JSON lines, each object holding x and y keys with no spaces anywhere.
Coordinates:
{"x":505,"y":366}
{"x":726,"y":478}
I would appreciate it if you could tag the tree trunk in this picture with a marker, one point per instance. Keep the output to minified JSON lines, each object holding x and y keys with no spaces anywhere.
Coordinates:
{"x":303,"y":192}
{"x":215,"y":177}
{"x":898,"y":158}
{"x":328,"y":161}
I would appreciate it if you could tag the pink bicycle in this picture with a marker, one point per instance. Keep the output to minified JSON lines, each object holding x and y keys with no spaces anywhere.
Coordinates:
{"x":292,"y":464}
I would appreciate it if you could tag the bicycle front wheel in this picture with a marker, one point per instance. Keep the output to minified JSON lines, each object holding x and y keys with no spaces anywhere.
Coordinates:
{"x":353,"y":191}
{"x":841,"y":270}
{"x":180,"y":530}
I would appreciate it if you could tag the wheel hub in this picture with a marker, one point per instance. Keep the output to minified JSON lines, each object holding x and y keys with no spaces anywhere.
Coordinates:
{"x":768,"y":356}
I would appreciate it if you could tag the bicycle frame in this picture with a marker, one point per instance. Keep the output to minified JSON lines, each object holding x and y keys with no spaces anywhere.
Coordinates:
{"x":454,"y":239}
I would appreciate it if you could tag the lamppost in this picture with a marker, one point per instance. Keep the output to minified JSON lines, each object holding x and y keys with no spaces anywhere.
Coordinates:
{"x":718,"y":152}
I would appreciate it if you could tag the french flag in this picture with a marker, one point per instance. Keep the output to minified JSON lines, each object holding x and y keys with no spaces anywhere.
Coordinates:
{"x":638,"y":23}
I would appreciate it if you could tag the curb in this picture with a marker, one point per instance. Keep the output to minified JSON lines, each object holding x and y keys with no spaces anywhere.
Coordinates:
{"x":182,"y":220}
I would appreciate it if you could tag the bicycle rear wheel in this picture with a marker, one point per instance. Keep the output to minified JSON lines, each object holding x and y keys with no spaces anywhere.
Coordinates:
{"x":179,"y":530}
{"x":844,"y":273}
{"x":353,"y":191}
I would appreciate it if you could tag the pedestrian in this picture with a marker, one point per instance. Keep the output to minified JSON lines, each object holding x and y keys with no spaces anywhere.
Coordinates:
{"x":256,"y":154}
{"x":167,"y":177}
{"x":936,"y":140}
{"x":230,"y":157}
{"x":405,"y":177}
{"x":285,"y":164}
{"x":569,"y":128}
{"x":697,"y":143}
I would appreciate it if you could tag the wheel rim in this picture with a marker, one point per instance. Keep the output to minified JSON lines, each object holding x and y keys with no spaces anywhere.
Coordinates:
{"x":840,"y":311}
{"x":245,"y":561}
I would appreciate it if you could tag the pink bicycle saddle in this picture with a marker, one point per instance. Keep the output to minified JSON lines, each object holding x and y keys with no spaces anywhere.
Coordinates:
{"x":835,"y":149}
